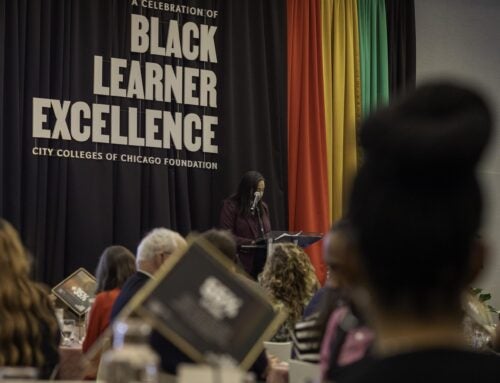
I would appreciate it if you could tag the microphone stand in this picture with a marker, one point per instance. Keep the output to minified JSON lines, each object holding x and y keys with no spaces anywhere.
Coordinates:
{"x":261,"y":225}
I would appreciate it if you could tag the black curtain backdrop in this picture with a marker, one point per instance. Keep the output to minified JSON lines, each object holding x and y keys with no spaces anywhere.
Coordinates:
{"x":69,"y":210}
{"x":401,"y":44}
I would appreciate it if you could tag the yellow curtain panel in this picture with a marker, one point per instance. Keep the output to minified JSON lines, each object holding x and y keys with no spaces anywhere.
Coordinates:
{"x":342,"y":90}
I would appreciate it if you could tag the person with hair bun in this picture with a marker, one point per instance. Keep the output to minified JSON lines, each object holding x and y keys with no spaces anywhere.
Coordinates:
{"x":29,"y":333}
{"x":416,"y":208}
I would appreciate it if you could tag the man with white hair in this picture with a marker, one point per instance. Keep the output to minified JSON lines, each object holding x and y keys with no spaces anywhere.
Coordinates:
{"x":153,"y":250}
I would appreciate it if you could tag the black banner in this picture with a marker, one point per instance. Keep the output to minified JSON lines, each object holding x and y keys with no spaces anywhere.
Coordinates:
{"x":118,"y":116}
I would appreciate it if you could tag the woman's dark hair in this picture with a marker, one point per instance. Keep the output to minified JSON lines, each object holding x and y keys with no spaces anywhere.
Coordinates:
{"x":246,"y":189}
{"x":416,"y":203}
{"x":116,"y":265}
{"x":223,"y":241}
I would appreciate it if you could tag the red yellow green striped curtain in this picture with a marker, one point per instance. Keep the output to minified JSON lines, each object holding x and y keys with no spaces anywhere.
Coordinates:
{"x":338,"y":71}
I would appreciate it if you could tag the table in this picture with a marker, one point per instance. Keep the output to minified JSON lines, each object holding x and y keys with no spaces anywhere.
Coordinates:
{"x":71,"y":366}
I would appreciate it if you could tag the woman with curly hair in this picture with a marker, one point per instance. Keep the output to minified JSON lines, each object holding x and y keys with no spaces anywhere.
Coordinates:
{"x":290,"y":280}
{"x":29,"y":334}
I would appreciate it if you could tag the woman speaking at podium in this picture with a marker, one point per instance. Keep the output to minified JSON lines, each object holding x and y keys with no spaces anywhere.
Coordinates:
{"x":246,"y":215}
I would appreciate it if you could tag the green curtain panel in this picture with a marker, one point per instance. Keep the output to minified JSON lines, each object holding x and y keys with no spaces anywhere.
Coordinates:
{"x":373,"y":54}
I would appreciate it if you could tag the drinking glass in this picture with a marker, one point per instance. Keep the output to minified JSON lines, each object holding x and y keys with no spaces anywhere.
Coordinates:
{"x":68,"y":326}
{"x":82,"y":332}
{"x":59,"y":316}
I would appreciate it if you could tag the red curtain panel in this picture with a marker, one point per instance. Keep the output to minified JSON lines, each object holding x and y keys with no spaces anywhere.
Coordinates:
{"x":307,"y":166}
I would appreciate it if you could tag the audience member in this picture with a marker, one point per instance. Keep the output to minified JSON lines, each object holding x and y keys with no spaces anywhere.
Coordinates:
{"x":223,"y":240}
{"x":153,"y":250}
{"x":342,"y":338}
{"x":347,"y":341}
{"x":290,"y":281}
{"x":170,"y":355}
{"x":29,"y":333}
{"x":416,"y":208}
{"x":115,"y":266}
{"x":308,"y":333}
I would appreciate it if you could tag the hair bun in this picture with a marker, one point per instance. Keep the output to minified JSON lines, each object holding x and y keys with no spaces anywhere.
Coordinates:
{"x":439,"y":128}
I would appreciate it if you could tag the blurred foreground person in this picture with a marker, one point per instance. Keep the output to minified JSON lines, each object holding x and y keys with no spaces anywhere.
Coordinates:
{"x":290,"y":281}
{"x":29,"y":333}
{"x":416,"y":209}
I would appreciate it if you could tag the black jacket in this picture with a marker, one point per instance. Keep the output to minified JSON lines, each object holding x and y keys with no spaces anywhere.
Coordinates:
{"x":129,"y":289}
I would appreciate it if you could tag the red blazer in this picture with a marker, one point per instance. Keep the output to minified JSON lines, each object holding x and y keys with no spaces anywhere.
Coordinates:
{"x":99,"y":316}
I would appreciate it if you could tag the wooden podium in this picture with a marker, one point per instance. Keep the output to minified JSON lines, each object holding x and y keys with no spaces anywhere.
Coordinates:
{"x":265,"y":246}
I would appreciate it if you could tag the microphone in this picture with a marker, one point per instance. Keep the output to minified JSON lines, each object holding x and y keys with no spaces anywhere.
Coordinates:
{"x":256,"y":199}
